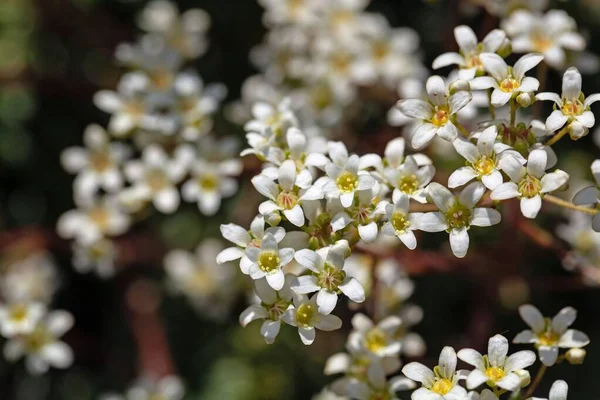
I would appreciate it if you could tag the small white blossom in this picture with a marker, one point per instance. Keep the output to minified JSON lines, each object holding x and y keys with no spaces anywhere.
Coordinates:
{"x":529,"y":183}
{"x":572,"y":107}
{"x":442,"y":381}
{"x":210,"y":183}
{"x":41,"y":347}
{"x":98,"y":256}
{"x":457,"y":214}
{"x":380,"y":340}
{"x":469,"y":50}
{"x":271,"y":307}
{"x":33,"y":278}
{"x":507,"y":82}
{"x":483,"y":160}
{"x":401,"y":222}
{"x":550,"y":34}
{"x":550,"y":335}
{"x":327,"y":278}
{"x":410,"y":178}
{"x":591,"y":195}
{"x":306,"y":317}
{"x":20,"y":318}
{"x":436,"y":115}
{"x":267,"y":261}
{"x":495,"y":368}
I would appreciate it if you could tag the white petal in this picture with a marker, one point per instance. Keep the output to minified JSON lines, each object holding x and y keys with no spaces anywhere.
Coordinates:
{"x":494,"y":65}
{"x":295,"y":215}
{"x":423,"y":135}
{"x":459,"y":100}
{"x":441,"y":196}
{"x":432,"y":222}
{"x":497,"y":350}
{"x":586,"y":119}
{"x":485,"y":217}
{"x":573,"y":338}
{"x":309,"y":259}
{"x":276,"y":279}
{"x":436,"y":90}
{"x":443,"y":60}
{"x":459,"y":242}
{"x":447,"y":362}
{"x":564,"y":319}
{"x":476,"y":378}
{"x":419,"y":373}
{"x":59,"y":322}
{"x":328,"y":323}
{"x":326,"y":300}
{"x":471,"y":194}
{"x":167,"y":200}
{"x":466,"y":39}
{"x":552,"y":181}
{"x":229,"y":254}
{"x":500,"y":97}
{"x":548,"y":96}
{"x":537,"y":163}
{"x":530,"y":207}
{"x":525,"y":63}
{"x":571,"y":84}
{"x":533,"y":317}
{"x":510,"y":382}
{"x":529,"y":84}
{"x":353,"y":289}
{"x":57,"y":354}
{"x":305,"y":284}
{"x":519,"y":360}
{"x":368,"y":233}
{"x":505,"y":191}
{"x":235,"y":234}
{"x":555,"y":121}
{"x":270,"y":330}
{"x":492,"y":180}
{"x":483,"y":82}
{"x":252,"y":313}
{"x":548,"y":355}
{"x":467,"y":149}
{"x":307,"y":335}
{"x":559,"y":390}
{"x":471,"y":357}
{"x":415,"y":108}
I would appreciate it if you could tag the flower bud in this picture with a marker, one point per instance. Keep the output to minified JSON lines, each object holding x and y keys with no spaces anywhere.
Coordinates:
{"x":273,"y":219}
{"x":313,"y":243}
{"x":526,"y":99}
{"x":524,"y":376}
{"x":459,"y":86}
{"x":345,"y":246}
{"x":576,"y":130}
{"x":576,"y":356}
{"x":505,"y":48}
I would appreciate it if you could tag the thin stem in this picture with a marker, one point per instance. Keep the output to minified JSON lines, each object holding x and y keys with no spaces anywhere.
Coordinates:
{"x":491,"y":107}
{"x":513,"y":112}
{"x":462,"y":129}
{"x":542,"y":74}
{"x":567,"y":204}
{"x":558,"y":136}
{"x":536,"y":381}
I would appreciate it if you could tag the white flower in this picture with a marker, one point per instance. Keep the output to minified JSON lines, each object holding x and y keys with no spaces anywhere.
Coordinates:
{"x":457,"y":214}
{"x":328,"y":277}
{"x":210,"y":182}
{"x":483,"y":160}
{"x":550,"y":335}
{"x":268,"y":260}
{"x":591,"y":195}
{"x":344,"y":177}
{"x":439,"y":384}
{"x":97,"y":166}
{"x":306,"y":316}
{"x":548,"y":34}
{"x":41,"y":346}
{"x":99,"y":255}
{"x":244,"y":239}
{"x":304,"y":151}
{"x":272,"y":121}
{"x":273,"y":304}
{"x":167,"y":388}
{"x":361,"y":214}
{"x":280,"y":12}
{"x":558,"y":391}
{"x":92,"y":221}
{"x":209,"y":286}
{"x":184,"y":32}
{"x":286,"y":195}
{"x":572,"y":108}
{"x":380,"y":340}
{"x":507,"y":82}
{"x":495,"y":368}
{"x":410,"y":178}
{"x":377,"y":386}
{"x":469,"y":50}
{"x":154,"y":178}
{"x":33,"y":278}
{"x":128,"y":105}
{"x":436,"y":115}
{"x":401,"y":222}
{"x":529,"y":183}
{"x":20,"y":318}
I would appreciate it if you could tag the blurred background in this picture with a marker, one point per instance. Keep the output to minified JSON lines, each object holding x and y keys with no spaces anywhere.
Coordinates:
{"x":55,"y":54}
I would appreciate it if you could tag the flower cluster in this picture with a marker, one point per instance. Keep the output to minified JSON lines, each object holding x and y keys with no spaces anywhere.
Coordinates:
{"x":32,"y":329}
{"x":157,"y":148}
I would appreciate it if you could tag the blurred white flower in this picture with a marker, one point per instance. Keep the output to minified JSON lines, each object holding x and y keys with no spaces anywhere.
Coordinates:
{"x":20,"y":318}
{"x":306,"y":317}
{"x":591,"y":195}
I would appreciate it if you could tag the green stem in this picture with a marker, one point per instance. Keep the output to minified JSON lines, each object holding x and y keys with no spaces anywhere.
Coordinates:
{"x":542,"y":74}
{"x":536,"y":381}
{"x":558,"y":136}
{"x":513,"y":112}
{"x":491,"y":107}
{"x":461,"y":128}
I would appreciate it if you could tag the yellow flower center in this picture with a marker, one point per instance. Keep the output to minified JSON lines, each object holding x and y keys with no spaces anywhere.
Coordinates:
{"x":304,"y":315}
{"x":458,"y":216}
{"x":157,"y":180}
{"x":509,"y":84}
{"x":442,"y":386}
{"x":331,"y":277}
{"x":208,"y":182}
{"x":494,"y":373}
{"x":485,"y":165}
{"x":37,"y":339}
{"x":276,"y":309}
{"x":400,"y":222}
{"x":380,"y":50}
{"x":572,"y":108}
{"x":408,"y":183}
{"x":18,"y":312}
{"x":541,"y":42}
{"x":530,"y":186}
{"x":548,"y":338}
{"x":268,"y":261}
{"x":99,"y":216}
{"x":440,"y":116}
{"x":287,"y":200}
{"x":321,"y":96}
{"x":340,"y":62}
{"x":100,"y":161}
{"x":375,"y":340}
{"x":474,"y":62}
{"x":347,"y":182}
